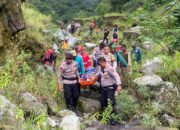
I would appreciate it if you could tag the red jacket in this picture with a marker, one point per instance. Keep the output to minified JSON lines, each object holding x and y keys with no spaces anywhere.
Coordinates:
{"x":86,"y":60}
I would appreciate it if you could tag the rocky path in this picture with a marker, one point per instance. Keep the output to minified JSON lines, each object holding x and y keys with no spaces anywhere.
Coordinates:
{"x":130,"y":128}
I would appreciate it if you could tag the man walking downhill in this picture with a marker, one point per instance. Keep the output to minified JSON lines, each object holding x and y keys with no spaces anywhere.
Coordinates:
{"x":110,"y":83}
{"x":69,"y":76}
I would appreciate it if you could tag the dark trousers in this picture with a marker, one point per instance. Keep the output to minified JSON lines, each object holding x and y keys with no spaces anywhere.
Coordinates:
{"x":105,"y":40}
{"x":95,"y":63}
{"x":107,"y":93}
{"x":71,"y":94}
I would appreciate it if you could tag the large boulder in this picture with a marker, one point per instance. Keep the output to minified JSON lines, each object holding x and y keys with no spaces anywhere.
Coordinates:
{"x":89,"y":105}
{"x":52,"y":106}
{"x":53,"y":122}
{"x":168,"y":120}
{"x":147,"y":45}
{"x":132,"y":33}
{"x":151,"y":66}
{"x":91,"y":123}
{"x":11,"y":22}
{"x":63,"y":35}
{"x":11,"y":15}
{"x":8,"y":115}
{"x":148,"y":80}
{"x":165,"y":93}
{"x":64,"y":113}
{"x":70,"y":122}
{"x":30,"y":104}
{"x":77,"y":27}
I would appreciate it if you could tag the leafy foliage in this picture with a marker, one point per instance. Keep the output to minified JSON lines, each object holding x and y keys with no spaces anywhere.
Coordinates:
{"x":103,"y":7}
{"x":126,"y":105}
{"x":149,"y":121}
{"x":64,"y":9}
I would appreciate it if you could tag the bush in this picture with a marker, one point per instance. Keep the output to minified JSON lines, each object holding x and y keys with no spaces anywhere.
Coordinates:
{"x":126,"y":106}
{"x":132,"y":5}
{"x":149,"y":118}
{"x":143,"y":92}
{"x":103,"y":7}
{"x":149,"y":121}
{"x":169,"y":68}
{"x":17,"y":76}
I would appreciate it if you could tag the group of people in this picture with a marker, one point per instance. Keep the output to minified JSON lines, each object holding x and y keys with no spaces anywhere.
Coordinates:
{"x":111,"y":61}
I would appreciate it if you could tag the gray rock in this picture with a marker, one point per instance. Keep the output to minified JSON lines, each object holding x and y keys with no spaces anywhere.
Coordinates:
{"x":64,"y":113}
{"x":132,"y":33}
{"x":164,"y":91}
{"x":151,"y":66}
{"x":148,"y":80}
{"x":11,"y":22}
{"x":169,"y":120}
{"x":77,"y":27}
{"x":92,"y":125}
{"x":1,"y":36}
{"x":30,"y":104}
{"x":52,"y":105}
{"x":8,"y":115}
{"x":94,"y":128}
{"x":12,"y":18}
{"x":62,"y":35}
{"x":89,"y":105}
{"x":147,"y":45}
{"x":70,"y":122}
{"x":53,"y":122}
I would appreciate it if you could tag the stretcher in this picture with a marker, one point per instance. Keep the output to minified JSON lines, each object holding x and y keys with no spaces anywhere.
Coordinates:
{"x":86,"y":79}
{"x":87,"y":82}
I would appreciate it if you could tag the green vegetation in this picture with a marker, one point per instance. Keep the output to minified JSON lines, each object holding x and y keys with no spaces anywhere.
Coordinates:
{"x":160,"y":20}
{"x":149,"y":118}
{"x":64,"y":9}
{"x":126,"y":106}
{"x":36,"y":22}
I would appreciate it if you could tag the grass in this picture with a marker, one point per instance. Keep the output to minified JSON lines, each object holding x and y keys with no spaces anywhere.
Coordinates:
{"x":114,"y":15}
{"x":35,"y":22}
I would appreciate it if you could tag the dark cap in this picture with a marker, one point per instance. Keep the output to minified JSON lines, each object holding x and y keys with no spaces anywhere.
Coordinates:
{"x":69,"y":55}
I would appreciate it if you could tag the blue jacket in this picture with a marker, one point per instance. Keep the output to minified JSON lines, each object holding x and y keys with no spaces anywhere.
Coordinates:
{"x":79,"y":60}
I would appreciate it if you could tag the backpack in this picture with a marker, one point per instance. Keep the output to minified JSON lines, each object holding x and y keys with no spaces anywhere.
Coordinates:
{"x":47,"y":56}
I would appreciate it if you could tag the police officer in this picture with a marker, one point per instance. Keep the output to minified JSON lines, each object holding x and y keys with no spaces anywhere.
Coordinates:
{"x":97,"y":53}
{"x":110,"y":82}
{"x":69,"y":76}
{"x":110,"y":58}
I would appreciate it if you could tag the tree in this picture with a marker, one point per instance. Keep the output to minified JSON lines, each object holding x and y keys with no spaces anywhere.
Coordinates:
{"x":103,"y":7}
